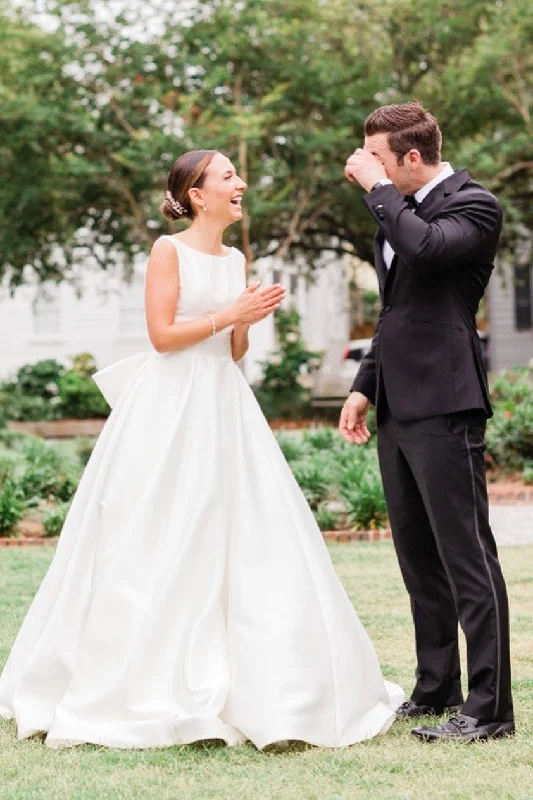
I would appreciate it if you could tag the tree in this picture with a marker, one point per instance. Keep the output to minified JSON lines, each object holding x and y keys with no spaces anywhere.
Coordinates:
{"x":96,"y":106}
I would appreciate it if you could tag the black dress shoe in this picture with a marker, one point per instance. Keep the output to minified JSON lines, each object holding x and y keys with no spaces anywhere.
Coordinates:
{"x":465,"y":729}
{"x":411,"y":709}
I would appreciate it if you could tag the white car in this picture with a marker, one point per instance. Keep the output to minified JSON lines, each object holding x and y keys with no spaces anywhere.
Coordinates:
{"x":333,"y":381}
{"x":352,"y":355}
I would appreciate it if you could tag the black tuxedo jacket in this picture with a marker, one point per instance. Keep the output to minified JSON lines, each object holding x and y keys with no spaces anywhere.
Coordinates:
{"x":426,"y":356}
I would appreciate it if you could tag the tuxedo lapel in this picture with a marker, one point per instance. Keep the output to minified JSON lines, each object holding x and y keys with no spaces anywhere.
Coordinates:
{"x":431,"y":205}
{"x":379,"y":261}
{"x":427,"y":210}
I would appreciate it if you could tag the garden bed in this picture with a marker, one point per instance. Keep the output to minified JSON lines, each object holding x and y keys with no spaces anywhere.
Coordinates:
{"x":60,"y":428}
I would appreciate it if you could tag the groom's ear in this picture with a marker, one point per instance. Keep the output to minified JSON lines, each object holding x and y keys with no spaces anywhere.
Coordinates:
{"x":414,"y":159}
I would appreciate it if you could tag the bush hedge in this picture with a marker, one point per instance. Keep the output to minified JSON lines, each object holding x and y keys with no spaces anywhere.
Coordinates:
{"x":341,"y":483}
{"x":36,"y":476}
{"x":47,"y":390}
{"x":510,"y":431}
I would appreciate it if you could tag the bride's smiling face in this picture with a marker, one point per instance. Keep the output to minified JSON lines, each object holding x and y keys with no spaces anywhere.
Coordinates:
{"x":221,"y":192}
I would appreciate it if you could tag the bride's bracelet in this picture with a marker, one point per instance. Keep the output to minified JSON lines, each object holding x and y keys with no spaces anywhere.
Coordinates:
{"x":213,"y":324}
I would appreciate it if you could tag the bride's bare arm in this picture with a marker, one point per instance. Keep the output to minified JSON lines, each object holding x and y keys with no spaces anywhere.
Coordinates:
{"x":239,"y":340}
{"x":161,"y":302}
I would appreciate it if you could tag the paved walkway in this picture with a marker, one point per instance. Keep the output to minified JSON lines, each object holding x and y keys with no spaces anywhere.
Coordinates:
{"x":512,"y":525}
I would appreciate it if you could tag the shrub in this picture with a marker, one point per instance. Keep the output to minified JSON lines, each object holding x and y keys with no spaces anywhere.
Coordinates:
{"x":47,"y":391}
{"x":81,"y":397}
{"x":11,"y":504}
{"x":55,"y":519}
{"x":371,"y":307}
{"x":14,"y":440}
{"x":361,"y":489}
{"x":32,"y":394}
{"x":9,"y":462}
{"x":46,"y":474}
{"x":320,"y":438}
{"x":282,"y":392}
{"x":510,"y":431}
{"x":326,"y":519}
{"x":527,"y":474}
{"x":340,"y":481}
{"x":40,"y":379}
{"x":84,"y":364}
{"x":84,"y":448}
{"x":313,"y":480}
{"x":290,"y":446}
{"x":15,"y":405}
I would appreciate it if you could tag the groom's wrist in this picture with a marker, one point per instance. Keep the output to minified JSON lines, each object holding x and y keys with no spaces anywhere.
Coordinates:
{"x":381,"y":182}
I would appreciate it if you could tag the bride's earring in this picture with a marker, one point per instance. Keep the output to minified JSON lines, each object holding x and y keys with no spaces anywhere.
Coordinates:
{"x":204,"y":207}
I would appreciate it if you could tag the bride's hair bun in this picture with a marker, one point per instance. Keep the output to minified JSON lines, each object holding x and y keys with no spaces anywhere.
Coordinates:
{"x":188,"y":172}
{"x":172,"y":208}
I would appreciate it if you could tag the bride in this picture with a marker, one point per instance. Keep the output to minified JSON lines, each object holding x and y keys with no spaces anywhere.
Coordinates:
{"x":191,"y":595}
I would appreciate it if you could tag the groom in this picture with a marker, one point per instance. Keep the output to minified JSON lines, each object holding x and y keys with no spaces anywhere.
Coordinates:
{"x":437,"y":236}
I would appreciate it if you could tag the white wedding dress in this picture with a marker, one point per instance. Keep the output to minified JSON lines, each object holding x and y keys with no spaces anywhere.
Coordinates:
{"x":191,"y":595}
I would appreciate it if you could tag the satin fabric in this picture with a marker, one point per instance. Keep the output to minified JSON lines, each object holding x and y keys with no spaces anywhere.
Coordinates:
{"x":191,"y":595}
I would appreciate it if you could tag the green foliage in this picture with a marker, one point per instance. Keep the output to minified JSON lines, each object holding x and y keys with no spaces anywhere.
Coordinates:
{"x":527,"y":473}
{"x":371,"y":307}
{"x":46,"y":474}
{"x":282,"y":86}
{"x":13,"y":440}
{"x":341,"y":482}
{"x":320,"y":438}
{"x":326,"y":519}
{"x":282,"y":392}
{"x":510,"y":430}
{"x":55,"y":519}
{"x":19,"y":407}
{"x":84,"y":364}
{"x":80,"y":397}
{"x":313,"y":480}
{"x":361,"y":488}
{"x":47,"y":391}
{"x":11,"y":503}
{"x":290,"y":447}
{"x":40,"y":379}
{"x":84,"y":448}
{"x":33,"y":393}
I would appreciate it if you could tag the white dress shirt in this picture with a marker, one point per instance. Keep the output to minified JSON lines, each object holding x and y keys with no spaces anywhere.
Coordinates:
{"x":447,"y":170}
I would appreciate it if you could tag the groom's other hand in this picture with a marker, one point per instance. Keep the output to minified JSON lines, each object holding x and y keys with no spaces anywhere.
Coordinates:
{"x":352,"y":424}
{"x":365,"y":168}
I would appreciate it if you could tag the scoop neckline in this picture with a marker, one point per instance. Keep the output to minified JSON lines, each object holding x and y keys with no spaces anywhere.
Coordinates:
{"x":200,"y":252}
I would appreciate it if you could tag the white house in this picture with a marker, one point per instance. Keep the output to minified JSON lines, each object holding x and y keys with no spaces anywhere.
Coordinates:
{"x":106,"y":317}
{"x":510,"y":305}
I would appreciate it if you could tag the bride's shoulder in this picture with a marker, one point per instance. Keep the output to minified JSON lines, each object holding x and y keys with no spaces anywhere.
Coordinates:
{"x":164,"y":243}
{"x":238,"y":255}
{"x":163,"y":255}
{"x":164,"y":247}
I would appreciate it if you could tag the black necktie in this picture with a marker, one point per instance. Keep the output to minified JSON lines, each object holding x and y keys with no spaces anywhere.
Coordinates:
{"x":411,"y":201}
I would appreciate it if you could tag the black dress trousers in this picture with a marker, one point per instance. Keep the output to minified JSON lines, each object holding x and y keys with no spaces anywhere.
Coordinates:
{"x":434,"y":479}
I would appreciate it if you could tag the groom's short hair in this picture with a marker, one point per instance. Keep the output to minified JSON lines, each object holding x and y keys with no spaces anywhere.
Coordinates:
{"x":409,"y":127}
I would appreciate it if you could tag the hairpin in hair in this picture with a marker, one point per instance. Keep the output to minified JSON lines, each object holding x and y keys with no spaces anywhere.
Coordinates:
{"x":176,"y":207}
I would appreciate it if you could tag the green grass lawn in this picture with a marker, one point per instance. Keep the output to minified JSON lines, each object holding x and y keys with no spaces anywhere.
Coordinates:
{"x":393,"y":766}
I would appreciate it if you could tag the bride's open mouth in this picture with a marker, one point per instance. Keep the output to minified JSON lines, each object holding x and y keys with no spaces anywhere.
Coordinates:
{"x":237,"y":202}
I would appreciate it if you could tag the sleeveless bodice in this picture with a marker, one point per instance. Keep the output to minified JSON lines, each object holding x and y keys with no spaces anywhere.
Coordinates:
{"x":207,"y":284}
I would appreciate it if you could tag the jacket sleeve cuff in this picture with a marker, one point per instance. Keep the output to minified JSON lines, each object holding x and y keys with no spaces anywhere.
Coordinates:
{"x":365,"y":385}
{"x":379,"y":201}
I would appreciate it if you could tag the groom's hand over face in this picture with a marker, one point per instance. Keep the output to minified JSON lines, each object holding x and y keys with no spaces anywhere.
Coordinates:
{"x":365,"y":168}
{"x":352,"y":424}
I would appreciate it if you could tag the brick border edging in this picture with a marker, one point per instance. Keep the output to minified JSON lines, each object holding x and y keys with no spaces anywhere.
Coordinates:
{"x":379,"y":535}
{"x":26,"y":541}
{"x":506,"y":496}
{"x":330,"y":536}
